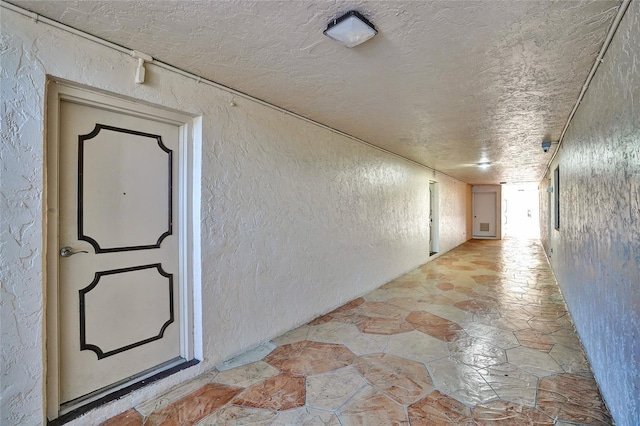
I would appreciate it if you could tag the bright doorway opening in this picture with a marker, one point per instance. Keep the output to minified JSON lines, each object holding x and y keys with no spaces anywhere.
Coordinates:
{"x":521,"y":211}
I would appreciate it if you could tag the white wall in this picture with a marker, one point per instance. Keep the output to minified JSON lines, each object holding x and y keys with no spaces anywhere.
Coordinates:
{"x":596,"y":251}
{"x":455,"y":209}
{"x":296,"y":220}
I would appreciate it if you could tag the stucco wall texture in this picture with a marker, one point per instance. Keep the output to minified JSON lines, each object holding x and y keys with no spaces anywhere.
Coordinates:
{"x":596,"y":252}
{"x":296,"y":219}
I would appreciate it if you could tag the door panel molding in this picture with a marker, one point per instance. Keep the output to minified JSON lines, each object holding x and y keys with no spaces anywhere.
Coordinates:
{"x":81,"y":174}
{"x":83,"y":310}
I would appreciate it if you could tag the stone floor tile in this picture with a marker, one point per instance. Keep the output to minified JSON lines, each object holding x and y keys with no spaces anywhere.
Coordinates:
{"x":253,"y":355}
{"x":445,"y":286}
{"x":330,"y":391}
{"x":382,"y":310}
{"x":384,"y":325}
{"x":571,"y":360}
{"x":246,"y":375}
{"x":495,"y":336}
{"x":455,"y":267}
{"x":534,"y":339}
{"x":508,"y":413}
{"x":281,"y":392}
{"x":540,"y":364}
{"x":476,"y":352}
{"x":410,"y":303}
{"x":306,"y":358}
{"x":406,"y":281}
{"x":438,"y":299}
{"x":296,"y":335}
{"x":128,"y":418}
{"x":364,"y":344}
{"x":505,"y":323}
{"x":451,"y":313}
{"x":475,"y":306}
{"x":545,"y":325}
{"x":566,"y":337}
{"x":417,"y":346}
{"x":234,"y":415}
{"x":433,"y":325}
{"x":465,"y":290}
{"x":487,"y":279}
{"x":460,"y":381}
{"x":492,"y":266}
{"x":332,"y":332}
{"x":513,"y":310}
{"x":511,"y":383}
{"x":572,"y":398}
{"x":457,"y":296}
{"x":193,"y":407}
{"x":175,"y":393}
{"x":547,"y":310}
{"x":439,"y":409}
{"x":402,"y":380}
{"x":305,"y":416}
{"x":372,"y":407}
{"x":349,"y":313}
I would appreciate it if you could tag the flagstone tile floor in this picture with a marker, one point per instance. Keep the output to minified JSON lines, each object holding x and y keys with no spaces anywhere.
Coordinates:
{"x":478,"y":336}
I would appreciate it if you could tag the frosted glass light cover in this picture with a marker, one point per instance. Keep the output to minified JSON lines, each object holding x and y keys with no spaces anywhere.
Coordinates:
{"x":350,"y":30}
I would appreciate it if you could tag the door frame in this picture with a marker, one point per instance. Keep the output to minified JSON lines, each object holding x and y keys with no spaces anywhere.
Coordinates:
{"x":434,"y":213}
{"x":188,"y":224}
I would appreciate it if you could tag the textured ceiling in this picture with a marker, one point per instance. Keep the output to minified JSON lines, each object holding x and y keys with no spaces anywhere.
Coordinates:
{"x":445,"y":83}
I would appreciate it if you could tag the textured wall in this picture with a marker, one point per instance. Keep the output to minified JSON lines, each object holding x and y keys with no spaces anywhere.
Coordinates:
{"x":454,"y":210}
{"x":296,"y":219}
{"x":596,"y":252}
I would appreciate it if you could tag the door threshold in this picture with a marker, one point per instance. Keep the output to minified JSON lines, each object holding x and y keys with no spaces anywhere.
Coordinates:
{"x":119,"y":393}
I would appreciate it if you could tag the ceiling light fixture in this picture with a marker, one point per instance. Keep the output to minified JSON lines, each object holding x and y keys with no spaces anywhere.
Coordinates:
{"x":484,"y":164}
{"x":351,"y":29}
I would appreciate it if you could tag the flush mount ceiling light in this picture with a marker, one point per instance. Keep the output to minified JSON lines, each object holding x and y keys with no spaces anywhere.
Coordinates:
{"x":484,"y":164}
{"x":351,"y":29}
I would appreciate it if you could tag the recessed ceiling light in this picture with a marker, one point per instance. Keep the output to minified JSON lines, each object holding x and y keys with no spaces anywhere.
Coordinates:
{"x":484,"y":164}
{"x":351,"y":29}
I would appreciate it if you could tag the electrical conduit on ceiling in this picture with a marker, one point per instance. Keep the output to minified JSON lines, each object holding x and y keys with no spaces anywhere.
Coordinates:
{"x":599,"y":59}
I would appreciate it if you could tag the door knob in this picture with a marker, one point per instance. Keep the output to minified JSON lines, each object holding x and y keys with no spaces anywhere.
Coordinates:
{"x":68,"y":252}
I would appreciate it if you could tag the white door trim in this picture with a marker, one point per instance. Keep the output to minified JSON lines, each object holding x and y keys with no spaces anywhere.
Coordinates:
{"x":434,"y":206}
{"x":188,"y":223}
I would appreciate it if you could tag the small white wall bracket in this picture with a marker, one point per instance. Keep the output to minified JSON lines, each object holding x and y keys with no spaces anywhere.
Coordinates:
{"x":140,"y":71}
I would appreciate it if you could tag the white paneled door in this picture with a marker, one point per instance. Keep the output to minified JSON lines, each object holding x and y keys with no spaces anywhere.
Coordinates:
{"x":484,"y":214}
{"x":119,"y":307}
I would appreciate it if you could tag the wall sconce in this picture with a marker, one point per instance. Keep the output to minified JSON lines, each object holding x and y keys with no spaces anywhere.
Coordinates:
{"x":351,"y":29}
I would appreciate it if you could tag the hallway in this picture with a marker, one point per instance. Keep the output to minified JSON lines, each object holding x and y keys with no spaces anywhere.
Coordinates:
{"x":480,"y":335}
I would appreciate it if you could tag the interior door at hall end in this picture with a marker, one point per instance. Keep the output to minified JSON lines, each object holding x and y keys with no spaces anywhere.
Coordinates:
{"x":484,"y":214}
{"x":118,"y":290}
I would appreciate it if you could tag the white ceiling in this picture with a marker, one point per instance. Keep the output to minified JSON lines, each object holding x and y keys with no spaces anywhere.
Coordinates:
{"x":445,"y":83}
